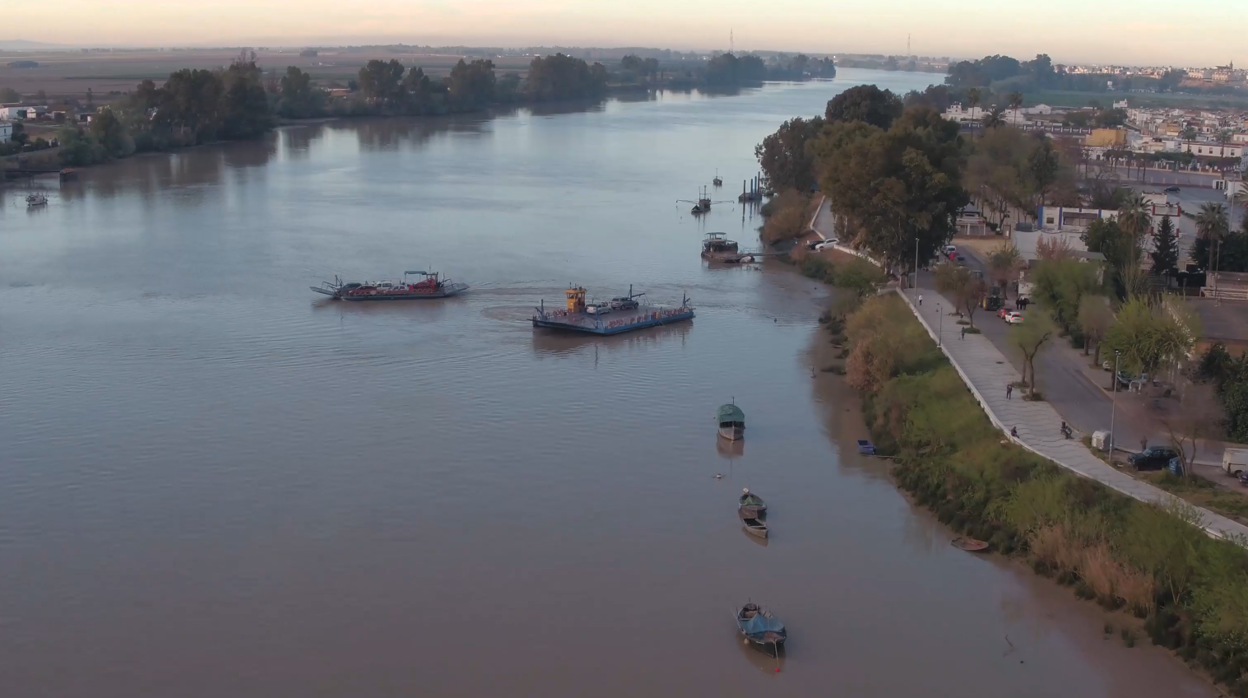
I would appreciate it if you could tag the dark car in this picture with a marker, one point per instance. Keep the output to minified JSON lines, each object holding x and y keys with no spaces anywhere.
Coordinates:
{"x":1152,"y":458}
{"x":1172,"y":190}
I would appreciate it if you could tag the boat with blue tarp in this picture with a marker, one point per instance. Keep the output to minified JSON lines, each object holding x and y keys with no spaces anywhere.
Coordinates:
{"x":761,"y":628}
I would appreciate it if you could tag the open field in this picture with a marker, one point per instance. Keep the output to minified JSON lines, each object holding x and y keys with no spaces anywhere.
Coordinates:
{"x":1065,"y":98}
{"x":71,"y":73}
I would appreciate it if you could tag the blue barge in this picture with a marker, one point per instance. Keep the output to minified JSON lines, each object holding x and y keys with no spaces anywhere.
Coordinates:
{"x":617,"y":316}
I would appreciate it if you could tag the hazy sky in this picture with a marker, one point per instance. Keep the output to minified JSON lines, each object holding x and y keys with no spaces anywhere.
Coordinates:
{"x":1188,"y":32}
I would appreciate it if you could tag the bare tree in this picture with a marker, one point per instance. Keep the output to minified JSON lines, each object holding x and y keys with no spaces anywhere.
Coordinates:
{"x":1095,"y":318}
{"x":967,"y":289}
{"x":1199,"y":415}
{"x":1051,"y":248}
{"x":1031,"y":337}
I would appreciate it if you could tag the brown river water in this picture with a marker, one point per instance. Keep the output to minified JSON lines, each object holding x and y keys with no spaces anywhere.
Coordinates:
{"x":213,"y":483}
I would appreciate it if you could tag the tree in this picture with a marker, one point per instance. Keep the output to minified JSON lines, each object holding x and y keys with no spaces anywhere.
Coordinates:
{"x":1044,"y":169}
{"x":564,"y":77}
{"x":973,"y":98}
{"x":902,"y":187}
{"x":1095,"y":318}
{"x":1122,"y":251}
{"x":1053,"y":248}
{"x":1030,"y":337}
{"x":786,"y":156}
{"x":298,"y":98}
{"x":859,"y":276}
{"x":788,"y":218}
{"x":968,"y":291}
{"x":1004,"y":263}
{"x":1200,"y":415}
{"x":994,"y":118}
{"x":110,"y":135}
{"x":1134,"y":215}
{"x":381,"y":83}
{"x":1016,"y":103}
{"x":865,"y":103}
{"x":9,"y":95}
{"x":1060,"y":286}
{"x":1165,"y":252}
{"x":244,"y":109}
{"x":471,"y":86}
{"x":1149,"y":336}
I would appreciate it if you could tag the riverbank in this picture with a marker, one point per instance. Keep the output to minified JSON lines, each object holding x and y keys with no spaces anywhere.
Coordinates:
{"x":1190,"y":591}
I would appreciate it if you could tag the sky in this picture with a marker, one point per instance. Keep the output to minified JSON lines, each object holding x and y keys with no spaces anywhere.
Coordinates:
{"x":1172,"y":32}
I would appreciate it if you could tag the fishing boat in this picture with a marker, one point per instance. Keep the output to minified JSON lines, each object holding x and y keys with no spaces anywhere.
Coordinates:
{"x":431,"y":286}
{"x":716,"y":247}
{"x":36,"y":200}
{"x":760,"y":628}
{"x":717,"y":181}
{"x":731,"y":422}
{"x":753,"y":525}
{"x":968,"y":544}
{"x":752,"y":503}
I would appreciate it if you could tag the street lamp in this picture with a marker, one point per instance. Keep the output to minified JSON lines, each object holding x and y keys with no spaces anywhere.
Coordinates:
{"x":940,"y":333}
{"x":1113,"y":410}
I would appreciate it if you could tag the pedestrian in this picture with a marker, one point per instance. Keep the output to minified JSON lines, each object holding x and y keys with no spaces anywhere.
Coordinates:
{"x":1009,"y":392}
{"x":920,"y":300}
{"x":963,"y":333}
{"x":1144,"y":444}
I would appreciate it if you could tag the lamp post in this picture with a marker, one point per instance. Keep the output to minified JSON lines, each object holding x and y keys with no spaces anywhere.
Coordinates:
{"x":1113,"y":410}
{"x":940,"y":333}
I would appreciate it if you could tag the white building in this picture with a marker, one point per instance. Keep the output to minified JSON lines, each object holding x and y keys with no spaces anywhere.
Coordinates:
{"x":1039,"y":109}
{"x":1214,"y":150}
{"x":955,"y":112}
{"x":15,"y":113}
{"x":1070,"y":220}
{"x":6,"y":131}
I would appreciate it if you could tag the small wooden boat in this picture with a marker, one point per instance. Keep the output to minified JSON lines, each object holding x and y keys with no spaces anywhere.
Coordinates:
{"x":717,"y":181}
{"x":731,"y":422}
{"x":753,"y":525}
{"x":970,"y":545}
{"x":752,"y":503}
{"x":866,"y":448}
{"x":759,"y":627}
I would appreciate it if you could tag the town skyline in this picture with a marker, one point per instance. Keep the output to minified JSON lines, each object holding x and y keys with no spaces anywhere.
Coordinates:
{"x":960,"y":29}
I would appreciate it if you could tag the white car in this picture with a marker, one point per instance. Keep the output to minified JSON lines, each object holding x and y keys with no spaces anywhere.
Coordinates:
{"x":825,"y":245}
{"x":1014,"y":317}
{"x":949,"y":249}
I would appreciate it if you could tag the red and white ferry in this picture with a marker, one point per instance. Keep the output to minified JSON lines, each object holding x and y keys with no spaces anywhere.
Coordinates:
{"x":431,"y":286}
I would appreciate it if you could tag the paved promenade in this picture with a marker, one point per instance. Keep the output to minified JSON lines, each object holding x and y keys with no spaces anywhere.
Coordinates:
{"x":987,"y":372}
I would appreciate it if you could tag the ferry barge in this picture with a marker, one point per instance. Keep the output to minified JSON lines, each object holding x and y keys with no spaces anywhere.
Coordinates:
{"x":716,"y":247}
{"x":430,"y":287}
{"x":619,"y":315}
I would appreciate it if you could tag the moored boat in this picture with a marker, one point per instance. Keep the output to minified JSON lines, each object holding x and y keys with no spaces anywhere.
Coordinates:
{"x":761,"y":628}
{"x":36,"y":200}
{"x":753,"y":525}
{"x":752,"y":504}
{"x":431,"y":286}
{"x":731,"y":422}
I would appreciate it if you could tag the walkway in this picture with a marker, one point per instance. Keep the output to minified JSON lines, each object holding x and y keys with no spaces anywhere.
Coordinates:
{"x":986,"y":371}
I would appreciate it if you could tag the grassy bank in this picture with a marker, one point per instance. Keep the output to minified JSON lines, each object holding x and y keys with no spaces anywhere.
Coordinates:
{"x":1191,"y":591}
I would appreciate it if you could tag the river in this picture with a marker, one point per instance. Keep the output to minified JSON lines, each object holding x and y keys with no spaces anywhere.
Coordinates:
{"x":213,"y":483}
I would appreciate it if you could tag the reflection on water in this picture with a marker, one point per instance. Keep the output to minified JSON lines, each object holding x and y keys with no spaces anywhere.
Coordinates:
{"x":206,"y":466}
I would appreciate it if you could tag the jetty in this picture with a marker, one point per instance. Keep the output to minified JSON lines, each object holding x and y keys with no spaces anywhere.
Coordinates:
{"x":616,"y":316}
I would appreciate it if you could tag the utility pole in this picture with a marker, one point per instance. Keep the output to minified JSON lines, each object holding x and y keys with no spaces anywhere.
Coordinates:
{"x":916,"y":264}
{"x":1113,"y":411}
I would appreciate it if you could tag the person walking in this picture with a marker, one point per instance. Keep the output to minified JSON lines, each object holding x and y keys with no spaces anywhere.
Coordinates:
{"x":920,"y":300}
{"x":1009,"y":392}
{"x":963,"y":333}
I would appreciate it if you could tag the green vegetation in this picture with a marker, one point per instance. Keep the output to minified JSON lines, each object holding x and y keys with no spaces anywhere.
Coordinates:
{"x":787,"y":216}
{"x":967,"y":289}
{"x":1229,"y":377}
{"x":866,"y":103}
{"x":1191,"y":589}
{"x":1217,"y":247}
{"x":785,"y":156}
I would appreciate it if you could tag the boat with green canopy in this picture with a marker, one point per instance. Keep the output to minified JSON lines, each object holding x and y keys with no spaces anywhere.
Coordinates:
{"x":731,"y":422}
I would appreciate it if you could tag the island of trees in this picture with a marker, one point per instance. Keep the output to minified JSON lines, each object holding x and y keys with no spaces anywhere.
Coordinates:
{"x":242,"y":101}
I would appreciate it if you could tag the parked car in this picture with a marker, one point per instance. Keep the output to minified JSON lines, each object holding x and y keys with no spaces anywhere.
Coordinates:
{"x":623,"y":303}
{"x":1243,"y":478}
{"x":1235,"y":461}
{"x":1173,"y":190}
{"x":1002,"y":312}
{"x":826,"y":244}
{"x":949,"y":249}
{"x":1014,"y":317}
{"x":1152,"y":458}
{"x":959,"y":258}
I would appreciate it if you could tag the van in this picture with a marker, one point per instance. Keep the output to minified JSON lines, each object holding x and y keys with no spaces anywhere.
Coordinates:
{"x":1235,"y":461}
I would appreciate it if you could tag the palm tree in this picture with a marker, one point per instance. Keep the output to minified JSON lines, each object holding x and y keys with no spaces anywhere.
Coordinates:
{"x":1016,"y":103}
{"x":1134,"y":215}
{"x":1212,"y":225}
{"x":973,"y":96}
{"x":993,"y":118}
